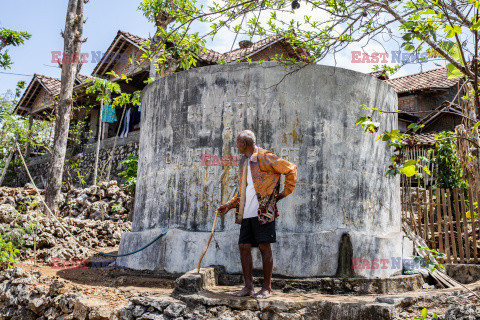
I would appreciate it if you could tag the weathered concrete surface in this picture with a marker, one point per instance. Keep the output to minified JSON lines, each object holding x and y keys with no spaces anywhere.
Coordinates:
{"x":307,"y":118}
{"x":212,"y":277}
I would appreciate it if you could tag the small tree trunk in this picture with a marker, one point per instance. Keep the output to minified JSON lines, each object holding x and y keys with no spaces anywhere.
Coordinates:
{"x":162,"y":20}
{"x":30,"y":124}
{"x":72,"y":44}
{"x":7,"y":162}
{"x":97,"y":151}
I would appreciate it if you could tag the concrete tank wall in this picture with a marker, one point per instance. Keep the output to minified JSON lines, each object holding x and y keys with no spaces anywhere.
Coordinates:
{"x":306,"y":116}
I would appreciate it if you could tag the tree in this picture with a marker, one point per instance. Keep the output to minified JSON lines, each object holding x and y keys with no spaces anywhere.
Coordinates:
{"x":173,"y":46}
{"x":10,"y":38}
{"x":448,"y":30}
{"x":15,"y":129}
{"x":72,"y":46}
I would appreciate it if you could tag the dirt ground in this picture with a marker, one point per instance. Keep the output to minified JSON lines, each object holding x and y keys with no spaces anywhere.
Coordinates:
{"x":116,"y":286}
{"x":97,"y":281}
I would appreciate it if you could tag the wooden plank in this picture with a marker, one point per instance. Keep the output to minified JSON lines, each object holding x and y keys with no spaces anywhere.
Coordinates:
{"x":472,"y":218}
{"x":445,"y":224}
{"x":458,"y":218}
{"x":439,"y":220}
{"x":432,"y":218}
{"x":473,"y":199}
{"x":465,"y":225}
{"x":419,"y":213}
{"x":425,"y":214}
{"x":450,"y":224}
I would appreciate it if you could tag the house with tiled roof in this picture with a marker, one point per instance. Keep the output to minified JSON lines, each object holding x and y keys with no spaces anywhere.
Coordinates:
{"x":40,"y":95}
{"x":424,"y":96}
{"x":122,"y":56}
{"x":430,"y":99}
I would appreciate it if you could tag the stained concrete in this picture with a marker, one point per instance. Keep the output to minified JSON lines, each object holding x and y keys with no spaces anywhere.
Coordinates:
{"x":305,"y":115}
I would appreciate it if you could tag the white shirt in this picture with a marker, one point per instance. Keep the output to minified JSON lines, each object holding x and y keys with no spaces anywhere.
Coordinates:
{"x":251,"y":201}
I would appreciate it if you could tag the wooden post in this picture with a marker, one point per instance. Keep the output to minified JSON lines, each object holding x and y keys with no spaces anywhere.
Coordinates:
{"x":97,"y":152}
{"x":439,"y":221}
{"x":457,"y":224}
{"x":465,"y":226}
{"x":472,"y":218}
{"x":419,"y":213}
{"x":425,"y":215}
{"x":450,"y":223}
{"x":445,"y":224}
{"x":432,"y":218}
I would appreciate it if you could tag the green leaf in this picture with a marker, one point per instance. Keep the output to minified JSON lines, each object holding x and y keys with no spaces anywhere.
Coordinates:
{"x":453,"y":72}
{"x":424,"y":313}
{"x":409,"y":168}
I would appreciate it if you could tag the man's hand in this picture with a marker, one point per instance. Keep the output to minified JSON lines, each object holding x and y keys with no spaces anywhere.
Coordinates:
{"x":223,"y":209}
{"x":280,"y":196}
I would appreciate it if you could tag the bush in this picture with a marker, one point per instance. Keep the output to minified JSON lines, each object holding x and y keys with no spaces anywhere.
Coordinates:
{"x":130,"y":173}
{"x":8,"y":254}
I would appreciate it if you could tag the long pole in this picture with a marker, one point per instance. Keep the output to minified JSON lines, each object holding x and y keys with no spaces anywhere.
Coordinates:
{"x":95,"y":168}
{"x":208,"y":243}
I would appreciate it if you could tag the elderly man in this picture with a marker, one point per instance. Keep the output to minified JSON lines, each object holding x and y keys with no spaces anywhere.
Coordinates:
{"x":256,"y":207}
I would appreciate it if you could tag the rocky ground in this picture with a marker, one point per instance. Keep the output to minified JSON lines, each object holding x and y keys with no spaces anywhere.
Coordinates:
{"x":108,"y":201}
{"x":59,"y":279}
{"x":39,"y":292}
{"x":86,"y":213}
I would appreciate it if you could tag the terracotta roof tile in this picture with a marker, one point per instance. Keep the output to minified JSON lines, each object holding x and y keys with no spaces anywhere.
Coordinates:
{"x":135,"y":39}
{"x":432,"y":79}
{"x":82,"y":78}
{"x":213,"y":56}
{"x":51,"y":84}
{"x":241,"y":53}
{"x":422,"y":139}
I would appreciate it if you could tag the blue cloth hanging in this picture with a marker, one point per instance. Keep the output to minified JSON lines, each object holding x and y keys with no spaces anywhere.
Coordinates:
{"x":108,"y":114}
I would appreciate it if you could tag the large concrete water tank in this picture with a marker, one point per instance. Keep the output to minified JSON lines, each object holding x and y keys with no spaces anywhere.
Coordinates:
{"x":306,"y":115}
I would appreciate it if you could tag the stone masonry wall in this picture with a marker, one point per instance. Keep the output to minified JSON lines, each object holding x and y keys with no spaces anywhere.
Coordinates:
{"x":38,"y":166}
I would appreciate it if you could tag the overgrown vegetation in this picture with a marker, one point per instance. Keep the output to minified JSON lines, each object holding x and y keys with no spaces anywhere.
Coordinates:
{"x":130,"y":164}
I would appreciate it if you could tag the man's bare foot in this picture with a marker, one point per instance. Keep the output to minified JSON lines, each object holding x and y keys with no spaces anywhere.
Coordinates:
{"x":245,"y":292}
{"x":263,"y":294}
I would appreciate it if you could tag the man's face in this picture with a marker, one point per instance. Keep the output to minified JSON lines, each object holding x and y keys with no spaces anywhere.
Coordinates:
{"x":241,"y":146}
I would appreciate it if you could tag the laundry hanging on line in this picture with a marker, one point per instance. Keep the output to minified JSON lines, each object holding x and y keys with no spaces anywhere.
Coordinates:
{"x":126,"y":123}
{"x":108,"y":114}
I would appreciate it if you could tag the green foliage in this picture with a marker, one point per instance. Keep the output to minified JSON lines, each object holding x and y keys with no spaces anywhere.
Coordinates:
{"x":117,"y":208}
{"x":177,"y":45}
{"x":425,"y":316}
{"x":448,"y":170}
{"x":14,"y":127}
{"x":103,"y":89}
{"x":130,"y":173}
{"x":10,"y":38}
{"x":428,"y":263}
{"x":8,"y":254}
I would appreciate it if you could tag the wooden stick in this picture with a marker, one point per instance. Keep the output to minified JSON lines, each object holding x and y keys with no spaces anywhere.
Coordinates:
{"x":450,"y":222}
{"x":458,"y":219}
{"x":208,"y":243}
{"x":432,"y":226}
{"x":439,"y":220}
{"x":465,"y":225}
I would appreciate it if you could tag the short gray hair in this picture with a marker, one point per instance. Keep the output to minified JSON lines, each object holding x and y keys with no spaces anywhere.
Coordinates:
{"x":248,"y":137}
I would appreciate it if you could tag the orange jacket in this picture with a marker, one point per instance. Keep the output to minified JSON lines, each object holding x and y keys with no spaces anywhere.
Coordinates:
{"x":266,"y":169}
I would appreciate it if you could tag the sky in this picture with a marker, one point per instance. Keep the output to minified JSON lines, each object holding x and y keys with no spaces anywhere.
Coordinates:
{"x":46,"y":18}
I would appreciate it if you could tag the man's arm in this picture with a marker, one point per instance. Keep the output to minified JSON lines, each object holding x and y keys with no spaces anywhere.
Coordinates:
{"x":224,"y":208}
{"x":287,"y":168}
